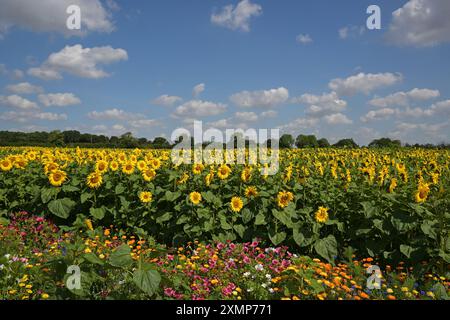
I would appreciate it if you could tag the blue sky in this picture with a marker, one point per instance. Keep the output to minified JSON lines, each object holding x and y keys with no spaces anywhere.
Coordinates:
{"x":301,"y":66}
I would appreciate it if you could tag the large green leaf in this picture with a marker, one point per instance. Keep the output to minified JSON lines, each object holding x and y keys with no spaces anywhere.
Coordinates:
{"x":327,"y":248}
{"x":98,"y":213}
{"x":61,"y":207}
{"x":147,"y":280}
{"x":277,"y":238}
{"x":121,"y":257}
{"x":48,"y":194}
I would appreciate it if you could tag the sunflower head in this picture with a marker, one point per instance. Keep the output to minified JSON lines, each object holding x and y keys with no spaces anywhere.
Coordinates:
{"x":57,"y":178}
{"x":6,"y":165}
{"x":197,"y":168}
{"x":128,"y":167}
{"x":101,"y":166}
{"x":251,"y":192}
{"x":322,"y":215}
{"x":223,"y":172}
{"x":94,"y":180}
{"x":114,"y":165}
{"x":145,"y":196}
{"x":284,"y":198}
{"x":422,"y":192}
{"x":236,"y":204}
{"x":195,"y":197}
{"x":148,"y":174}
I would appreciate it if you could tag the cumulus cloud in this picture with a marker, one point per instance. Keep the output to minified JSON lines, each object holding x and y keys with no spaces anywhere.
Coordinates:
{"x":199,"y":108}
{"x":337,"y":118}
{"x":113,"y":114}
{"x":262,"y":98}
{"x":404,"y":98}
{"x":441,"y":107}
{"x":51,"y":16}
{"x":380,"y":114}
{"x":300,"y":123}
{"x":351,"y":32}
{"x":58,"y":99}
{"x":78,"y":61}
{"x":364,"y":83}
{"x":24,"y":88}
{"x":320,"y":105}
{"x":15,"y":101}
{"x":25,"y":116}
{"x":420,"y":23}
{"x":166,"y":100}
{"x":246,"y":116}
{"x":304,"y":38}
{"x":269,"y":114}
{"x":198,"y":89}
{"x":237,"y":18}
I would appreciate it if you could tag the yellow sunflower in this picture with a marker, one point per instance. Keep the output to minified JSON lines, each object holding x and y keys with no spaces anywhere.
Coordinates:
{"x":393,"y":185}
{"x":6,"y":165}
{"x":422,"y":192}
{"x":57,"y":178}
{"x":114,"y":165}
{"x":145,"y":196}
{"x":101,"y":166}
{"x":251,"y":192}
{"x":195,"y":197}
{"x":236,"y":204}
{"x":94,"y":180}
{"x":197,"y":168}
{"x":246,"y":174}
{"x":128,"y":168}
{"x":224,"y":171}
{"x":141,"y":165}
{"x":284,"y":198}
{"x":322,"y":215}
{"x":148,"y":174}
{"x":156,"y":163}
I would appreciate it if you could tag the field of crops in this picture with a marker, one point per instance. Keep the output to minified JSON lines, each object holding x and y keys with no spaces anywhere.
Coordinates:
{"x":389,"y":205}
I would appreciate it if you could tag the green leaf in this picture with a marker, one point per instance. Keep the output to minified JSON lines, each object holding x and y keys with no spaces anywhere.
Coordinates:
{"x":283,"y":217}
{"x":299,"y":238}
{"x":440,"y":291}
{"x":163,"y":218}
{"x":92,"y":258}
{"x":277,"y":238}
{"x":61,"y":207}
{"x":147,"y":280}
{"x":121,"y":257}
{"x":172,"y":196}
{"x":247,"y":216}
{"x":369,"y":209}
{"x":430,"y":228}
{"x":119,"y":189}
{"x":224,"y":224}
{"x":327,"y":248}
{"x":85,"y":196}
{"x":406,"y":250}
{"x":260,"y":219}
{"x":48,"y":194}
{"x":98,"y":213}
{"x":69,"y":188}
{"x":240,"y":229}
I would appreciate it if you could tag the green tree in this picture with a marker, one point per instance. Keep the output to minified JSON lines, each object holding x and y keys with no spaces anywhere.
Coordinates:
{"x":346,"y":143}
{"x":304,"y":141}
{"x":323,"y":143}
{"x":286,"y":141}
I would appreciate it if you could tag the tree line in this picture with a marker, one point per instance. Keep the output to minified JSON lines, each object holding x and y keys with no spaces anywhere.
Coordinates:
{"x":73,"y":138}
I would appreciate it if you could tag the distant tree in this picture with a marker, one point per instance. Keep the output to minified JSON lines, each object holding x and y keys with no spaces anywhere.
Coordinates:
{"x":71,"y":136}
{"x":385,"y":143}
{"x":286,"y":141}
{"x":323,"y":143}
{"x":304,"y":141}
{"x":161,"y":143}
{"x":346,"y":143}
{"x":56,"y":138}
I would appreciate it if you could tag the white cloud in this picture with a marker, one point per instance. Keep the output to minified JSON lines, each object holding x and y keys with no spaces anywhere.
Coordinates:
{"x":144,"y":123}
{"x":304,"y":38}
{"x":166,"y":100}
{"x":51,"y":16}
{"x":113,"y":114}
{"x":15,"y":101}
{"x":269,"y":114}
{"x":198,"y":89}
{"x":25,"y":116}
{"x":364,"y":83}
{"x":24,"y":88}
{"x":320,"y":105}
{"x":422,"y":132}
{"x":220,"y":124}
{"x":58,"y":99}
{"x":441,"y":107}
{"x":380,"y":114}
{"x":300,"y":123}
{"x":199,"y":108}
{"x":337,"y":118}
{"x":17,"y":74}
{"x":420,"y":23}
{"x":404,"y":98}
{"x":246,"y":116}
{"x":78,"y":61}
{"x":351,"y":32}
{"x":261,"y":98}
{"x":237,"y":18}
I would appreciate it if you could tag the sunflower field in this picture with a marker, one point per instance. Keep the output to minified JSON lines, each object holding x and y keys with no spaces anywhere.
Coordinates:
{"x":389,"y":204}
